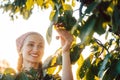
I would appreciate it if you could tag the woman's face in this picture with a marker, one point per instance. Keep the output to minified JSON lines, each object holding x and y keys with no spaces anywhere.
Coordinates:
{"x":33,"y":48}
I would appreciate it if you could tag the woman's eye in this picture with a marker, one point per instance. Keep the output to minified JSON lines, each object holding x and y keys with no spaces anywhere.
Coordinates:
{"x":40,"y":46}
{"x":31,"y":45}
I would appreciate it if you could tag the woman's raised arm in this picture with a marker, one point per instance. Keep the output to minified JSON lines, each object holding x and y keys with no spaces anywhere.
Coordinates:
{"x":66,"y":41}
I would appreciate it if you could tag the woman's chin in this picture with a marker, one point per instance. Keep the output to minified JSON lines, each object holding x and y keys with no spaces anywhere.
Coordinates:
{"x":34,"y":61}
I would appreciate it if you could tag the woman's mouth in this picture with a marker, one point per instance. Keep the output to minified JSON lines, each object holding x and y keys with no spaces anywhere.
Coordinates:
{"x":34,"y":55}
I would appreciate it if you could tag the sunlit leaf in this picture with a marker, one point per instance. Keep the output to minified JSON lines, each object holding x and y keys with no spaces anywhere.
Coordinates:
{"x":29,"y":4}
{"x":67,"y":7}
{"x":49,"y":3}
{"x":26,"y":14}
{"x":47,"y":62}
{"x":68,"y":0}
{"x":73,"y":3}
{"x":53,"y":60}
{"x":75,"y":53}
{"x":79,"y":62}
{"x":58,"y":69}
{"x":109,"y":9}
{"x":51,"y":70}
{"x":8,"y":7}
{"x":52,"y":4}
{"x":97,"y":78}
{"x":53,"y":21}
{"x":39,"y":2}
{"x":52,"y":14}
{"x":51,"y":66}
{"x":85,"y":66}
{"x":17,"y":9}
{"x":9,"y":71}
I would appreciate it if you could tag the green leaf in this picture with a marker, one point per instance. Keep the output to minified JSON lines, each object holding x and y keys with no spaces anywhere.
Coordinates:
{"x":49,"y":33}
{"x":9,"y":71}
{"x":91,"y":7}
{"x":79,"y":62}
{"x":90,"y":74}
{"x":96,"y":66}
{"x":85,"y":66}
{"x":103,"y":65}
{"x":113,"y":70}
{"x":55,"y":17}
{"x":19,"y":3}
{"x":53,"y":21}
{"x":51,"y":70}
{"x":69,"y":20}
{"x":99,"y":28}
{"x":47,"y":62}
{"x":22,"y":76}
{"x":116,"y":19}
{"x":75,"y":53}
{"x":86,"y":31}
{"x":8,"y":77}
{"x":59,"y":59}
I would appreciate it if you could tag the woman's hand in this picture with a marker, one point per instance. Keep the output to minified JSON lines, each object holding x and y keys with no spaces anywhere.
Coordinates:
{"x":66,"y":42}
{"x":66,"y":39}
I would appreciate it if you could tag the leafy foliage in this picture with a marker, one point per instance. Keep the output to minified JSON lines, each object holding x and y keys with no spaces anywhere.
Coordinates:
{"x":95,"y":16}
{"x":28,"y":75}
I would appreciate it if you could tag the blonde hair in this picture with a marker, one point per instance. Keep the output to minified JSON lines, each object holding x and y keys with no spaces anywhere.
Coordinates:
{"x":20,"y":63}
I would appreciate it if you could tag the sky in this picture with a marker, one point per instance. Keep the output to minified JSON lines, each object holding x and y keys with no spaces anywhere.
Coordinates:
{"x":10,"y":30}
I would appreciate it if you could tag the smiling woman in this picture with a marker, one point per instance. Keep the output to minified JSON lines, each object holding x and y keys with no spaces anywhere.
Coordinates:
{"x":10,"y":30}
{"x":30,"y":47}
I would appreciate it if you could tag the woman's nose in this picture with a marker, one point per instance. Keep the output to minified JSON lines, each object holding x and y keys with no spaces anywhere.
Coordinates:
{"x":35,"y":48}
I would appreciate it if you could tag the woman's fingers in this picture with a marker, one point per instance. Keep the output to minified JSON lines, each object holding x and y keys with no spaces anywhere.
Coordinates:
{"x":65,"y":34}
{"x":57,"y":37}
{"x":66,"y":39}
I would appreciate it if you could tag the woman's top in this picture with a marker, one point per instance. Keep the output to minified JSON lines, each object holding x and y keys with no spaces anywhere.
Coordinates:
{"x":36,"y":75}
{"x":29,"y":75}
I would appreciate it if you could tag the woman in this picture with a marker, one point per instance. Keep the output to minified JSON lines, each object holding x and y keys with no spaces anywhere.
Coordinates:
{"x":30,"y":47}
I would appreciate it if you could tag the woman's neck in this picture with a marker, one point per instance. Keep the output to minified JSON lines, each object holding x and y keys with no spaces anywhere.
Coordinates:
{"x":28,"y":65}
